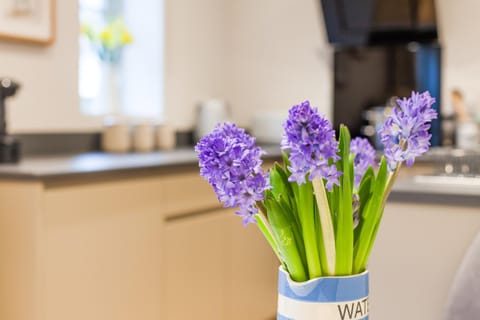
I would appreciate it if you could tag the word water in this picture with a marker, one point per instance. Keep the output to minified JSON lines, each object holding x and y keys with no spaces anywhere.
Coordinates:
{"x":353,"y":310}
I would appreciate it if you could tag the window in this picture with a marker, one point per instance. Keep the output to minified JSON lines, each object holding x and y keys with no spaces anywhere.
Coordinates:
{"x":139,"y":71}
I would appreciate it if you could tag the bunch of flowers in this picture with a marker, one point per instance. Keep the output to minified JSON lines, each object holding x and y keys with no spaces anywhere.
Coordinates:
{"x":320,"y":211}
{"x":109,"y":41}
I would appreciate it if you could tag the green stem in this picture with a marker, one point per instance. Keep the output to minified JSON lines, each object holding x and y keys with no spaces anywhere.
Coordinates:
{"x":305,"y":207}
{"x":391,"y":179}
{"x":389,"y":187}
{"x":326,"y":225}
{"x":266,"y":230}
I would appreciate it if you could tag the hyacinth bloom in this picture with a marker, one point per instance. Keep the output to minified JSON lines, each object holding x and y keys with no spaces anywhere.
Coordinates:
{"x":320,"y":211}
{"x":364,"y":156}
{"x":311,"y":141}
{"x":405,"y":134}
{"x":231,"y":163}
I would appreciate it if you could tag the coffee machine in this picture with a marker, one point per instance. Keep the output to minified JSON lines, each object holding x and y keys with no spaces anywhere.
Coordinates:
{"x":9,"y":146}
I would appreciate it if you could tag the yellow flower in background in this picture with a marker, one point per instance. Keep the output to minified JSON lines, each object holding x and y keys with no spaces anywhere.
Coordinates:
{"x":106,"y":37}
{"x":108,"y":41}
{"x":126,"y":37}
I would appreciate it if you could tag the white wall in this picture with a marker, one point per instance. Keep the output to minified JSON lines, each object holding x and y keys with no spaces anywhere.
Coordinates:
{"x":279,"y":57}
{"x":196,"y":33}
{"x":458,"y":23}
{"x":258,"y":55}
{"x":48,"y":99}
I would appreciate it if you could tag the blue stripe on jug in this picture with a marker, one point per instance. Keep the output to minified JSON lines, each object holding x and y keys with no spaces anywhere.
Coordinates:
{"x":333,"y":289}
{"x":290,"y":309}
{"x":280,"y":317}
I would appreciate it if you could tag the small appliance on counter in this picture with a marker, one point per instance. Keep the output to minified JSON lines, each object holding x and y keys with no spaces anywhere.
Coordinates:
{"x":209,"y":114}
{"x":267,"y":126}
{"x":9,"y":146}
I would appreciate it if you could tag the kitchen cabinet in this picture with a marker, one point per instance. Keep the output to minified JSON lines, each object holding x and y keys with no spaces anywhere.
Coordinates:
{"x":196,"y":267}
{"x":253,"y":274}
{"x":153,"y":243}
{"x":149,"y":244}
{"x":215,"y":268}
{"x":417,"y":252}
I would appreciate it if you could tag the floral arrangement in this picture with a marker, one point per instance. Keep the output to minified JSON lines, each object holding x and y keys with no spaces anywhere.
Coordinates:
{"x":320,"y":211}
{"x":109,"y":41}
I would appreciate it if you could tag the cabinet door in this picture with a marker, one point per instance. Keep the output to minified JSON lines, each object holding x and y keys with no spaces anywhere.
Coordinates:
{"x":252,"y":284}
{"x":215,"y":268}
{"x":196,"y":255}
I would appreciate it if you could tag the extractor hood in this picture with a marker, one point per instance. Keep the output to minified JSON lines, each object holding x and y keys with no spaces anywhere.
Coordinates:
{"x":375,"y":22}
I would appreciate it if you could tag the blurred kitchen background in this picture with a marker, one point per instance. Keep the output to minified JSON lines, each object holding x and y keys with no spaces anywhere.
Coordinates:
{"x":103,"y":214}
{"x":258,"y":58}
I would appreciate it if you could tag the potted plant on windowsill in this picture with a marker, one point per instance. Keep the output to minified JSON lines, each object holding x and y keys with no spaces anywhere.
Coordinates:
{"x":109,"y":43}
{"x":320,"y":211}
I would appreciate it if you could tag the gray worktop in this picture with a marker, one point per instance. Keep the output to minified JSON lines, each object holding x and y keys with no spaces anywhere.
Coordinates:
{"x":40,"y":167}
{"x":56,"y":166}
{"x":440,"y":190}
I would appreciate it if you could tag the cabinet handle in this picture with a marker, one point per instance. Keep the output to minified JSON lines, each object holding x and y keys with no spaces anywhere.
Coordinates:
{"x":193,"y":213}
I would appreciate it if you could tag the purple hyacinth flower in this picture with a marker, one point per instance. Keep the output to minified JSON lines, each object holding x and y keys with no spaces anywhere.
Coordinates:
{"x":405,"y":133}
{"x":231,"y":163}
{"x":364,"y":156}
{"x":311,"y":141}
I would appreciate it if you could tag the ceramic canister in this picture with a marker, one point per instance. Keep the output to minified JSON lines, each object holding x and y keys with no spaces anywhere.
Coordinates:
{"x":116,"y":138}
{"x":325,"y":298}
{"x":166,"y":139}
{"x":144,"y":137}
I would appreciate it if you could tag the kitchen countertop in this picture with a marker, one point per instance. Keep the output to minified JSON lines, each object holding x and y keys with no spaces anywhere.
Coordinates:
{"x":441,"y":190}
{"x":464,"y":191}
{"x":45,"y":167}
{"x":40,"y":167}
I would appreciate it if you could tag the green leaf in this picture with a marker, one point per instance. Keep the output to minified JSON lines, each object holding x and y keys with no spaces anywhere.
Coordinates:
{"x":280,"y":186}
{"x":372,"y":214}
{"x":381,"y":179}
{"x":266,"y":230}
{"x":344,"y":227}
{"x":281,"y":181}
{"x":284,"y":236}
{"x":365,"y":193}
{"x":333,"y":199}
{"x":283,"y":188}
{"x":296,"y":228}
{"x":366,"y":188}
{"x":305,"y":203}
